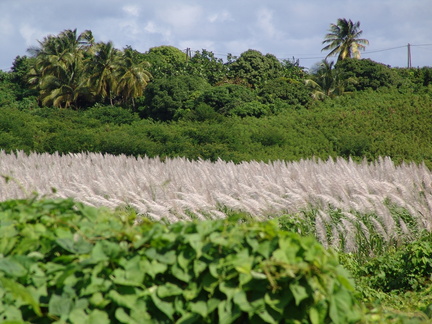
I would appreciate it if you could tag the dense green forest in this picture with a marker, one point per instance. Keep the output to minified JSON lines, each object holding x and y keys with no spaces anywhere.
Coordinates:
{"x":73,"y":94}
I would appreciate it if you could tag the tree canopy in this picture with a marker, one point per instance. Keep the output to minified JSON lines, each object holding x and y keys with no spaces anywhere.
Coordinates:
{"x":343,"y":39}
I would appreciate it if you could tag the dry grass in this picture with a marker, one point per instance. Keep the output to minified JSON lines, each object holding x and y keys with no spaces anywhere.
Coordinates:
{"x":178,"y":189}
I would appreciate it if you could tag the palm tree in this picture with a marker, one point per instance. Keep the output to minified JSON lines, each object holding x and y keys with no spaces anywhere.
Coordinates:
{"x":133,"y":76}
{"x":343,"y":39}
{"x":102,"y":70}
{"x":58,"y":72}
{"x":328,"y":81}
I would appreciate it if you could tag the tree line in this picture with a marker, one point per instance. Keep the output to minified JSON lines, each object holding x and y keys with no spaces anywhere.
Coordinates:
{"x":72,"y":70}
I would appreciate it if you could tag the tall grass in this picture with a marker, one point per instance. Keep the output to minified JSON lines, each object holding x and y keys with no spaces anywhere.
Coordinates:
{"x":346,"y":203}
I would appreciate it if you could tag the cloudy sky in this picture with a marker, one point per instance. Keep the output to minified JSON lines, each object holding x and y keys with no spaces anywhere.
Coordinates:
{"x":285,"y":28}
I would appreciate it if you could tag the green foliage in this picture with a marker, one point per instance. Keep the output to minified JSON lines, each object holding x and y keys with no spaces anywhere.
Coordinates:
{"x":165,"y":61}
{"x":66,"y":262}
{"x":291,"y":92}
{"x":255,"y":68}
{"x":223,"y":99}
{"x":367,"y":74}
{"x":166,"y":98}
{"x":407,"y":268}
{"x":111,"y":115}
{"x":205,"y":65}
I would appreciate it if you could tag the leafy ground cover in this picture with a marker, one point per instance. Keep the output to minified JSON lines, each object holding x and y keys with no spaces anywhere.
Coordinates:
{"x":64,"y":262}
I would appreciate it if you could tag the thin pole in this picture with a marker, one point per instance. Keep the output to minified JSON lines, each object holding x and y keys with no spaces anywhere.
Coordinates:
{"x":409,"y":56}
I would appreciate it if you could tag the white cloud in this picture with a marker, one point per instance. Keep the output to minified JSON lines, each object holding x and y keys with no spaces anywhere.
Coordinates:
{"x":31,"y":35}
{"x":152,"y":28}
{"x":181,"y":17}
{"x":220,"y":17}
{"x":266,"y":25}
{"x":132,"y":10}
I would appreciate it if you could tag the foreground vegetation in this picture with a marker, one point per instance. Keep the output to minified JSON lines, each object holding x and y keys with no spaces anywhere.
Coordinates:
{"x":65,"y":262}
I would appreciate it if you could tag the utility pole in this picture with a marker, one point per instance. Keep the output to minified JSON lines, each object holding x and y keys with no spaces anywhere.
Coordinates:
{"x":409,"y":56}
{"x":188,"y":54}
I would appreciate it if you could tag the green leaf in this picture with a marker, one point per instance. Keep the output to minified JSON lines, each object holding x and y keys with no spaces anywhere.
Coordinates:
{"x":105,"y":250}
{"x":240,"y":299}
{"x":12,"y":267}
{"x":98,"y":317}
{"x":264,"y":314}
{"x":154,"y":267}
{"x":127,"y":301}
{"x":60,"y":305}
{"x":122,"y":317}
{"x":78,"y":316}
{"x":200,"y":308}
{"x":168,"y":290}
{"x":299,"y":292}
{"x":20,"y":292}
{"x":188,"y":318}
{"x":167,"y":258}
{"x":185,"y":258}
{"x":75,"y":245}
{"x":180,"y":274}
{"x":314,"y":316}
{"x":164,"y":307}
{"x":199,"y":266}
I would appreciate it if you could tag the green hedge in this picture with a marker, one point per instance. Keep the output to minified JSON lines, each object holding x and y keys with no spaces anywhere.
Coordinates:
{"x":63,"y":262}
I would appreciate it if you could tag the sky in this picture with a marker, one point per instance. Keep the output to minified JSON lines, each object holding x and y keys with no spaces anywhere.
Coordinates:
{"x":285,"y":28}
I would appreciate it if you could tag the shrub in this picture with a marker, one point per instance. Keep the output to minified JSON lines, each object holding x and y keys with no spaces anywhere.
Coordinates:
{"x":64,"y":261}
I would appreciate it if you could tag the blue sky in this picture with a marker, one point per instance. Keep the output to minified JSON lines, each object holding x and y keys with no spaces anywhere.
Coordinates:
{"x":285,"y":28}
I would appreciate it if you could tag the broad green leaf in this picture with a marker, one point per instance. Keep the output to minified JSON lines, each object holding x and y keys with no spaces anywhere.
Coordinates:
{"x":209,"y":283}
{"x":119,"y":277}
{"x":98,"y":300}
{"x":122,"y":317}
{"x":196,"y":242}
{"x":180,"y":274}
{"x":314,"y":316}
{"x":12,"y":315}
{"x":200,"y":307}
{"x":67,"y":272}
{"x":228,"y":288}
{"x":185,"y":258}
{"x":266,"y":248}
{"x":60,"y":305}
{"x":154,"y":267}
{"x":240,"y":299}
{"x":134,"y":270}
{"x":266,"y":317}
{"x":98,"y":317}
{"x":199,"y":266}
{"x":105,"y":250}
{"x":228,"y":312}
{"x":164,"y":307}
{"x":192,"y":291}
{"x":12,"y":268}
{"x":188,"y":318}
{"x":167,"y":258}
{"x":299,"y":292}
{"x":212,"y":304}
{"x":127,"y":301}
{"x":78,"y":316}
{"x":20,"y":292}
{"x":7,"y":244}
{"x":75,"y":246}
{"x":168,"y":290}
